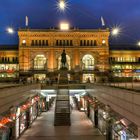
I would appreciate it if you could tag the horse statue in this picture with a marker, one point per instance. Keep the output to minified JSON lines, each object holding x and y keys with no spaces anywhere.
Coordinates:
{"x":63,"y":59}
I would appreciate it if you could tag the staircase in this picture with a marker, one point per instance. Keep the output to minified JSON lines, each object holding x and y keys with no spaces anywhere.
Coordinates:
{"x":62,"y":108}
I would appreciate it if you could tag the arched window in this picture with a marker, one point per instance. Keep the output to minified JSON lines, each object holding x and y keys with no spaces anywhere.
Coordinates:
{"x":68,"y":65}
{"x":40,"y":62}
{"x":88,"y":62}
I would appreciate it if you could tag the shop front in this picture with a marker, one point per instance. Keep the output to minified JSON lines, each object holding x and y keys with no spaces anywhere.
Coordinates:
{"x":25,"y":115}
{"x":6,"y":128}
{"x":122,"y":132}
{"x":4,"y":133}
{"x":102,"y":120}
{"x":92,"y":109}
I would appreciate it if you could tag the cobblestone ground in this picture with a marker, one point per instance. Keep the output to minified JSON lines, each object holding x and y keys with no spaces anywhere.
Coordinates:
{"x":81,"y":128}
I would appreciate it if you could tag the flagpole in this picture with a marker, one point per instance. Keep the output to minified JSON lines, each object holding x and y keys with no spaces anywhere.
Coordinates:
{"x":26,"y":22}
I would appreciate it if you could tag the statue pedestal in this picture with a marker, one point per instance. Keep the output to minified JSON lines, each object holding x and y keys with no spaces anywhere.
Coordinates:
{"x":63,"y":76}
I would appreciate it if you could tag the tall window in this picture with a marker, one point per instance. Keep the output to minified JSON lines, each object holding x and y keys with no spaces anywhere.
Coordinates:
{"x":40,"y":62}
{"x":88,"y":62}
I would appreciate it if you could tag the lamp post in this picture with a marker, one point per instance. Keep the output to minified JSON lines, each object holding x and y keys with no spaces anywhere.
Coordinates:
{"x":114,"y":33}
{"x":10,"y":30}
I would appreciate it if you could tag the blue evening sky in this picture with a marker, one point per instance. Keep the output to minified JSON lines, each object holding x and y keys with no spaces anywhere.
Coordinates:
{"x":81,"y":14}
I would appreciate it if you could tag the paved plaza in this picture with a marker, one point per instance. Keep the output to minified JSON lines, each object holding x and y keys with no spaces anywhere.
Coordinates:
{"x":81,"y":128}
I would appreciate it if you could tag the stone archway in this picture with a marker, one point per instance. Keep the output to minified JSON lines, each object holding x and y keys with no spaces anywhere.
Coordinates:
{"x":88,"y":62}
{"x":40,"y":62}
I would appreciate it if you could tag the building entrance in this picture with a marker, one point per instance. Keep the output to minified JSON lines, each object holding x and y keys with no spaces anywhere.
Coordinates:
{"x":39,"y":77}
{"x":88,"y":78}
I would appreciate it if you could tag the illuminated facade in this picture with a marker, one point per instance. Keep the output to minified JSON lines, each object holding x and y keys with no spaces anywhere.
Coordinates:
{"x":38,"y":56}
{"x":87,"y":53}
{"x":125,"y":62}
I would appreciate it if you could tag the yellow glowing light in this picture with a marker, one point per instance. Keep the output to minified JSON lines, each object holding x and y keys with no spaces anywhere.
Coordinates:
{"x":103,"y":42}
{"x":139,"y":43}
{"x":115,"y":31}
{"x":23,"y":41}
{"x":64,"y":26}
{"x":10,"y":30}
{"x":62,"y":5}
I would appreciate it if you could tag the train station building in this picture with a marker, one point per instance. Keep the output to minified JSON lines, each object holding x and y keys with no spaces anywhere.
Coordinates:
{"x":88,"y":51}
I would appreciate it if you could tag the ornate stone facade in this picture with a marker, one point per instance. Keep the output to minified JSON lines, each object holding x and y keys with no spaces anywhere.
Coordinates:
{"x":38,"y":55}
{"x":77,"y":43}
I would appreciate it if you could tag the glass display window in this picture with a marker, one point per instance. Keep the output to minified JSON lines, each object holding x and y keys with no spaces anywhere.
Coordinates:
{"x":22,"y":122}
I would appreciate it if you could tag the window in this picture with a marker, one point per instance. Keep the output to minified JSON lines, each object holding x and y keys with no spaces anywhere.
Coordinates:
{"x":81,"y":43}
{"x":95,"y":42}
{"x":56,"y":42}
{"x":60,"y":43}
{"x":67,"y":42}
{"x":87,"y":42}
{"x":36,"y":43}
{"x":46,"y":42}
{"x":43,"y":43}
{"x":71,"y":43}
{"x":84,"y":42}
{"x":91,"y":43}
{"x":88,"y":62}
{"x":39,"y":42}
{"x":40,"y":62}
{"x":32,"y":43}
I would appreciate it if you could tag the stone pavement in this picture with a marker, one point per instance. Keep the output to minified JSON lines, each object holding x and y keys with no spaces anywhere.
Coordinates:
{"x":43,"y":129}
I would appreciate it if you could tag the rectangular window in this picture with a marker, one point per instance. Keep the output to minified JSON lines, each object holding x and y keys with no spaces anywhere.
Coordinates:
{"x":56,"y":42}
{"x":46,"y":42}
{"x":36,"y":43}
{"x":81,"y":43}
{"x":95,"y":42}
{"x":32,"y":43}
{"x":43,"y":43}
{"x":71,"y":43}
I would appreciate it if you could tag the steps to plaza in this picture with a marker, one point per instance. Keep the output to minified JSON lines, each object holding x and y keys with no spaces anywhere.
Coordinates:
{"x":62,"y":108}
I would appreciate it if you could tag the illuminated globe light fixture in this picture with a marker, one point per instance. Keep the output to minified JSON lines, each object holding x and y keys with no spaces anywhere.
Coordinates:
{"x":139,"y":43}
{"x":64,"y":26}
{"x":10,"y":30}
{"x":24,"y":41}
{"x":115,"y":31}
{"x":103,"y":41}
{"x":62,"y":5}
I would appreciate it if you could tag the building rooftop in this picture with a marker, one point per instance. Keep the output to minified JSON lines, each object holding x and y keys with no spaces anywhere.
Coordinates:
{"x":72,"y":29}
{"x":125,"y":47}
{"x":112,"y":47}
{"x":9,"y":47}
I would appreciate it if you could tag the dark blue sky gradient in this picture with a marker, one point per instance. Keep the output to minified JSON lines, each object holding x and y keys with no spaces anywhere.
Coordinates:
{"x":81,"y":14}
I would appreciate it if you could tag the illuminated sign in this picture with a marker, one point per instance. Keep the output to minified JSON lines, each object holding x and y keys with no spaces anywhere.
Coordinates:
{"x":64,"y":26}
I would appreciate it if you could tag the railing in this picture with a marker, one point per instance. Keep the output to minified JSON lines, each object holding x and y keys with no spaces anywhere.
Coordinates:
{"x":125,"y":85}
{"x":126,"y":62}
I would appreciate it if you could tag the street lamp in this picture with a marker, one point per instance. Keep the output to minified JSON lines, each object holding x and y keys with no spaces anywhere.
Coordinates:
{"x":10,"y":30}
{"x":115,"y":31}
{"x":139,"y":43}
{"x":62,"y":5}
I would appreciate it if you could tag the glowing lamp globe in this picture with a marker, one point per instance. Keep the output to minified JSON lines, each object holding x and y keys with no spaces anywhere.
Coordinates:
{"x":62,"y":5}
{"x":10,"y":30}
{"x":115,"y":31}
